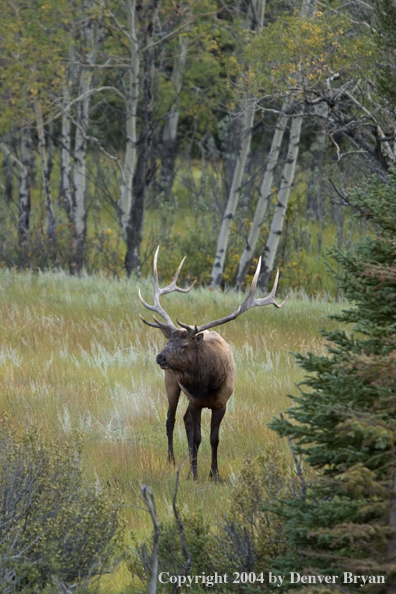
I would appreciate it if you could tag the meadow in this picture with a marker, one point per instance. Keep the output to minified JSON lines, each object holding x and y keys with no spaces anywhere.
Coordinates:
{"x":74,"y":356}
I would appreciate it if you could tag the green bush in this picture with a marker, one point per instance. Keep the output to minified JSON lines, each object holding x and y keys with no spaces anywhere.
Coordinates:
{"x":245,"y":540}
{"x":54,"y":527}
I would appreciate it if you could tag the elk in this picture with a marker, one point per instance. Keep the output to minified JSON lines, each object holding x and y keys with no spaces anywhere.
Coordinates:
{"x":198,"y":362}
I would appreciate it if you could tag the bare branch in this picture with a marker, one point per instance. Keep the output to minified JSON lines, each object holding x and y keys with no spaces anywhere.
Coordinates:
{"x":180,"y":526}
{"x":8,"y":155}
{"x":148,"y":498}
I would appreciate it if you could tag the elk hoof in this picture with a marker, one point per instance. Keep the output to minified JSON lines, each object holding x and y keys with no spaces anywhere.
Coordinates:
{"x":216,"y":477}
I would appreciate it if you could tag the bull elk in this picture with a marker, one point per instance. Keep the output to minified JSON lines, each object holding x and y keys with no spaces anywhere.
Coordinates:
{"x":198,"y":362}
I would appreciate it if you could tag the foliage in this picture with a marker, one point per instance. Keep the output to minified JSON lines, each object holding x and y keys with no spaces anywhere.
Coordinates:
{"x":344,"y":421}
{"x":199,"y":544}
{"x":33,"y":55}
{"x":244,"y":539}
{"x":54,"y":527}
{"x":251,"y":534}
{"x":297,"y":53}
{"x":386,"y":40}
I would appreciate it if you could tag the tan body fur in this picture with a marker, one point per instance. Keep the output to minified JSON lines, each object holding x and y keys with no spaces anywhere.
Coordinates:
{"x":203,"y":368}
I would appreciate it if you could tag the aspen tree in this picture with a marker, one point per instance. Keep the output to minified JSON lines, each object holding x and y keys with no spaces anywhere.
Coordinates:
{"x":44,"y":168}
{"x":229,"y":212}
{"x":139,"y":183}
{"x":24,"y":190}
{"x":308,"y":9}
{"x":92,"y":39}
{"x":131,"y":113}
{"x":169,"y":134}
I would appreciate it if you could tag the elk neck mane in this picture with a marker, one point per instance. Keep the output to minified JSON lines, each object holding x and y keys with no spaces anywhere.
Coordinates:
{"x":210,"y":369}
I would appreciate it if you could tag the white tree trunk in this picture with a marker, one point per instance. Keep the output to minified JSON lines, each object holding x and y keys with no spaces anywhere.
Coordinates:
{"x":66,"y":165}
{"x":80,"y":155}
{"x":80,"y":146}
{"x":24,"y":188}
{"x":263,"y":201}
{"x":131,"y":111}
{"x":222,"y":244}
{"x":281,"y":205}
{"x":44,"y":168}
{"x":258,"y":9}
{"x":169,"y":134}
{"x":140,"y":178}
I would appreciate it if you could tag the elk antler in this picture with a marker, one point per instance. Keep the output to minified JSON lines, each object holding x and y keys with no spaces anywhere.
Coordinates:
{"x":249,"y":302}
{"x":169,"y":326}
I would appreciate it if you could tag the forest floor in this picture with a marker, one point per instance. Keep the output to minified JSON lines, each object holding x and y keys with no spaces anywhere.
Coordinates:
{"x":74,"y":356}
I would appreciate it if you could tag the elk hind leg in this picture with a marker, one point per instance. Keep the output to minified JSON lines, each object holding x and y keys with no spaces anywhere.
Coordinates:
{"x":217,"y":417}
{"x":173,"y":393}
{"x":192,"y":422}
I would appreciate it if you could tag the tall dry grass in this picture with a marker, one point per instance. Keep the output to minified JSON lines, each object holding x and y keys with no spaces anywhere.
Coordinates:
{"x":75,"y":356}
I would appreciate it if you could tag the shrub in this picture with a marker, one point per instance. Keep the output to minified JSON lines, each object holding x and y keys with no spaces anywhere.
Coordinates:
{"x":244,"y":540}
{"x":54,"y":527}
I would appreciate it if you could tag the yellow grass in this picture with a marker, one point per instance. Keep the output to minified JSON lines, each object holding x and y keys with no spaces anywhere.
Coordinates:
{"x":75,"y":356}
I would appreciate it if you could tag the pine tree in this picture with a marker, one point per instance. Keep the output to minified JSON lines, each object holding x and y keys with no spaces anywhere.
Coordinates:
{"x":344,"y":421}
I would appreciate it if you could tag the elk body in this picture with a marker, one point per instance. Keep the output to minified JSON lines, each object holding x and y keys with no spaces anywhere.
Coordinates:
{"x":198,"y":362}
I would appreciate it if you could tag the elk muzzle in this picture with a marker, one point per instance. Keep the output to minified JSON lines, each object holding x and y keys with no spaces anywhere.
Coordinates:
{"x":161,"y":360}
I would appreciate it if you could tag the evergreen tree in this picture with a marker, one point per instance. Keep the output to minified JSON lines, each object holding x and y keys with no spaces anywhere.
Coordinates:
{"x":344,"y":420}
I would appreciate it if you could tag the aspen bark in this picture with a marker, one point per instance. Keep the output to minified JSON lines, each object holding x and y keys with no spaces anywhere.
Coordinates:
{"x":222,"y":244}
{"x":80,"y":145}
{"x":271,"y":247}
{"x":79,"y":172}
{"x":263,"y":201}
{"x":8,"y":171}
{"x":257,"y":18}
{"x":24,"y":187}
{"x":169,"y":135}
{"x":141,"y":173}
{"x":44,"y":168}
{"x":131,"y":112}
{"x":66,"y":191}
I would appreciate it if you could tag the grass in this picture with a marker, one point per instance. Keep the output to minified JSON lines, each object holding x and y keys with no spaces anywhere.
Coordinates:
{"x":75,"y":356}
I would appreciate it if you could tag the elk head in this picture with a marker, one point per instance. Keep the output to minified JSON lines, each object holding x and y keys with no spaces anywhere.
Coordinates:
{"x":170,"y":331}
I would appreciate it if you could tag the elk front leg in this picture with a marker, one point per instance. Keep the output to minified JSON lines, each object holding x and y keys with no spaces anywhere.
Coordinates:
{"x":173,"y":393}
{"x":217,"y":417}
{"x":192,"y":422}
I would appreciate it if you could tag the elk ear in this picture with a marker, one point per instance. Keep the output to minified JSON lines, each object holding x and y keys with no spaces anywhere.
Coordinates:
{"x":199,"y":338}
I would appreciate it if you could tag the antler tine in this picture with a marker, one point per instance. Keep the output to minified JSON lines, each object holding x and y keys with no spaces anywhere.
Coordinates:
{"x":269,"y":300}
{"x":253,"y":285}
{"x":158,"y":324}
{"x":249,"y":302}
{"x":172,"y":286}
{"x":157,"y":307}
{"x":192,"y":330}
